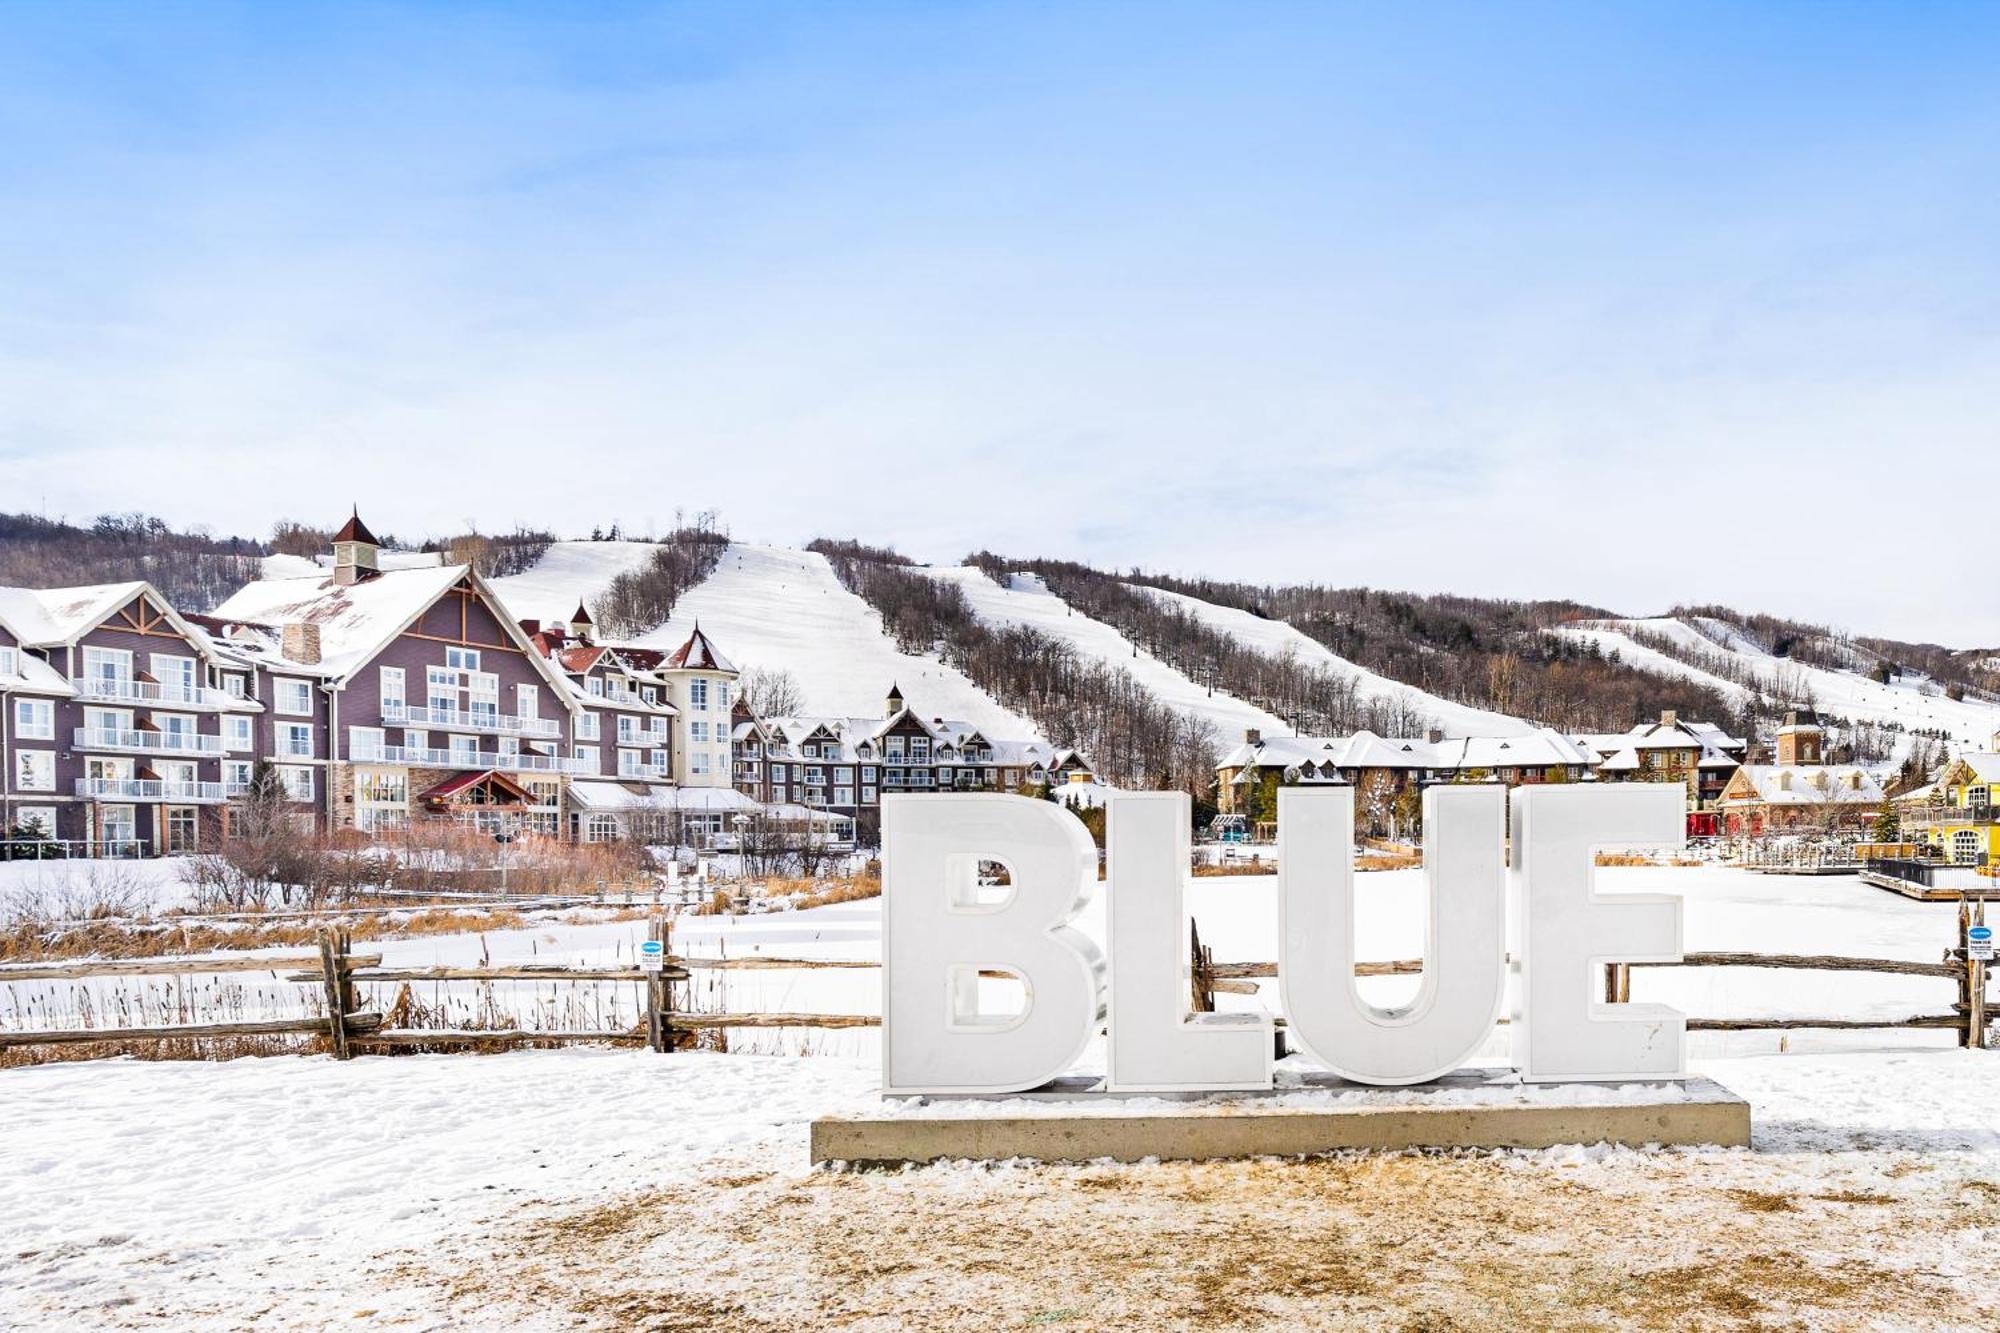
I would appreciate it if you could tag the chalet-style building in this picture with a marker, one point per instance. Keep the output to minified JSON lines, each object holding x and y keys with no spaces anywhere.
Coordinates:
{"x":124,"y":730}
{"x":1700,"y":754}
{"x":412,"y":688}
{"x":1773,"y":798}
{"x":1390,"y":766}
{"x":848,"y":763}
{"x":1957,"y":815}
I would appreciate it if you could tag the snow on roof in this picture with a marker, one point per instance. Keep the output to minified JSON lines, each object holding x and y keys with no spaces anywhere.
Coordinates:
{"x":1984,"y":765}
{"x":1809,"y":784}
{"x":355,"y":620}
{"x":1540,"y":748}
{"x":950,"y":736}
{"x":697,"y":654}
{"x":354,"y":530}
{"x":46,"y":617}
{"x":31,"y":675}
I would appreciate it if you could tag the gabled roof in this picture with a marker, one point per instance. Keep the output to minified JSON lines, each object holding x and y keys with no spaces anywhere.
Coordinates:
{"x":31,"y":674}
{"x":581,"y":617}
{"x":1804,"y":784}
{"x":56,"y":617}
{"x":357,"y":621}
{"x":354,"y":530}
{"x":462,"y":782}
{"x":697,"y":654}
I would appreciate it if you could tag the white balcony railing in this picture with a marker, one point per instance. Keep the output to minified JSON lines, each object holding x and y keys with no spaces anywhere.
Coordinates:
{"x":152,"y":789}
{"x":150,"y":742}
{"x":645,"y":772}
{"x":480,"y":759}
{"x":125,"y":690}
{"x":506,"y":724}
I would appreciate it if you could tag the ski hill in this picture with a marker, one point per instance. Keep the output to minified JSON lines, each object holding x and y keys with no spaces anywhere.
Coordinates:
{"x":1909,"y":701}
{"x":1026,"y":600}
{"x":1278,"y":638}
{"x":778,"y":608}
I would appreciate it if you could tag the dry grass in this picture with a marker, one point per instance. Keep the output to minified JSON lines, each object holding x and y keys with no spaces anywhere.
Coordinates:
{"x":1206,"y":871}
{"x":1430,"y":1242}
{"x":23,"y":943}
{"x":1641,"y":859}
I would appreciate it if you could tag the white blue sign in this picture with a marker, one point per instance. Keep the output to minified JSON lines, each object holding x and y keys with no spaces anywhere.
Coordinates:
{"x":1979,"y":943}
{"x":652,"y":955}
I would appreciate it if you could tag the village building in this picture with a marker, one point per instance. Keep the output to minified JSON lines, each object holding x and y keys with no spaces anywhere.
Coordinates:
{"x":1699,"y":754}
{"x":1791,"y":798}
{"x":848,"y":764}
{"x":124,"y":732}
{"x":412,"y":689}
{"x":1958,"y":815}
{"x":1389,"y":772}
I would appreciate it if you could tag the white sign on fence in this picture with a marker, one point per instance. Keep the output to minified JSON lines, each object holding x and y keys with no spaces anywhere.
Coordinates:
{"x":1979,"y":943}
{"x":944,"y":1032}
{"x":652,"y":956}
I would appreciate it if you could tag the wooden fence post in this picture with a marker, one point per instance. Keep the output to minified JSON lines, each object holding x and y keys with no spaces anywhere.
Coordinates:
{"x":338,"y":987}
{"x":1975,"y":988}
{"x":659,"y":1036}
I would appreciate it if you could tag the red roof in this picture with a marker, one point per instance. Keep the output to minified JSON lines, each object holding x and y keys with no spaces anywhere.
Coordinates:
{"x":580,"y":659}
{"x":582,"y":617}
{"x":356,"y":531}
{"x":453,"y":786}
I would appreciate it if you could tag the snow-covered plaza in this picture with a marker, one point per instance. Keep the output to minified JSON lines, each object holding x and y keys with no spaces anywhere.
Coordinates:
{"x":613,"y":1189}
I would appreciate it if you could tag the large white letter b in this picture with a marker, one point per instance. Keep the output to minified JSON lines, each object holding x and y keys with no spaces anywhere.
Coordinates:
{"x":939,"y":932}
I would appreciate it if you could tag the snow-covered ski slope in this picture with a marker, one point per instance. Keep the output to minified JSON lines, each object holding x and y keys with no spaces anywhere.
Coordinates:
{"x":1910,"y":702}
{"x":772,"y":607}
{"x":1026,"y":600}
{"x":780,"y":608}
{"x":1276,"y":638}
{"x":568,"y":573}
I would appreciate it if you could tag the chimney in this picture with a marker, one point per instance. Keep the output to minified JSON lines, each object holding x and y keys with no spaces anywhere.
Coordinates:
{"x":1252,"y":736}
{"x":300,"y":643}
{"x":1669,"y":718}
{"x":1434,"y":736}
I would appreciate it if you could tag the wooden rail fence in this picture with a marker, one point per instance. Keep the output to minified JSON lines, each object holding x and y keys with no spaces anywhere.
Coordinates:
{"x":339,"y":972}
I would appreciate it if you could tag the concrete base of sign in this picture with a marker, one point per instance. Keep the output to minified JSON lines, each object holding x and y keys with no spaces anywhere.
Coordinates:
{"x":1069,"y":1123}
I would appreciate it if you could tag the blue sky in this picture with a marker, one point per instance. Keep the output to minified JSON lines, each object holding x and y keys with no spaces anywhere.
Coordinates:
{"x":1633,"y":304}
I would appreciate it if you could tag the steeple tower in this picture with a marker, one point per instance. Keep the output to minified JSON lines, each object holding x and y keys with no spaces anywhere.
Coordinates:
{"x":356,"y":553}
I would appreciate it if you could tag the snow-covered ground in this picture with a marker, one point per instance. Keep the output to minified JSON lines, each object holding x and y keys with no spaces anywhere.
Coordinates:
{"x":1026,"y":600}
{"x":601,"y":1189}
{"x":1277,"y":638}
{"x":1909,"y":702}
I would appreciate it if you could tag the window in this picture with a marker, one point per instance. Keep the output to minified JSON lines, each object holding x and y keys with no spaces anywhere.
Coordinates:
{"x":175,"y":674}
{"x":461,"y":659}
{"x":868,"y":796}
{"x":699,"y":759}
{"x":630,"y":763}
{"x":1965,"y":847}
{"x":298,"y":782}
{"x":587,"y":756}
{"x":464,"y":749}
{"x":293,"y":739}
{"x":920,"y":749}
{"x":236,"y":776}
{"x":843,"y":796}
{"x":722,"y":695}
{"x":237,"y":733}
{"x":595,"y":685}
{"x":107,"y":665}
{"x":698,"y":731}
{"x":868,"y":773}
{"x":234,"y":686}
{"x":698,"y":693}
{"x":35,"y":770}
{"x":36,"y":819}
{"x":119,"y":824}
{"x":777,"y":772}
{"x":292,"y":697}
{"x":392,"y":687}
{"x":650,"y":694}
{"x":10,"y":662}
{"x":1980,"y":795}
{"x":527,"y":701}
{"x":34,"y":720}
{"x":586,"y":725}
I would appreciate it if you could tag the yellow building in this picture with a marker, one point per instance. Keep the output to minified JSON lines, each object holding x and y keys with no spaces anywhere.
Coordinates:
{"x":1960,"y":817}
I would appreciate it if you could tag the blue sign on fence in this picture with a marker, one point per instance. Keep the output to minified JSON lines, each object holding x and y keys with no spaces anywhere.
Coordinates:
{"x":1979,"y":943}
{"x":652,"y":956}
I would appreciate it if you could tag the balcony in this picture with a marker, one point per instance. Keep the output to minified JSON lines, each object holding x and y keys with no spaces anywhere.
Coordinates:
{"x":152,"y":789}
{"x":153,"y":694}
{"x":148,"y":742}
{"x":645,"y":772}
{"x":453,"y":719}
{"x":480,"y":759}
{"x":1933,"y":815}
